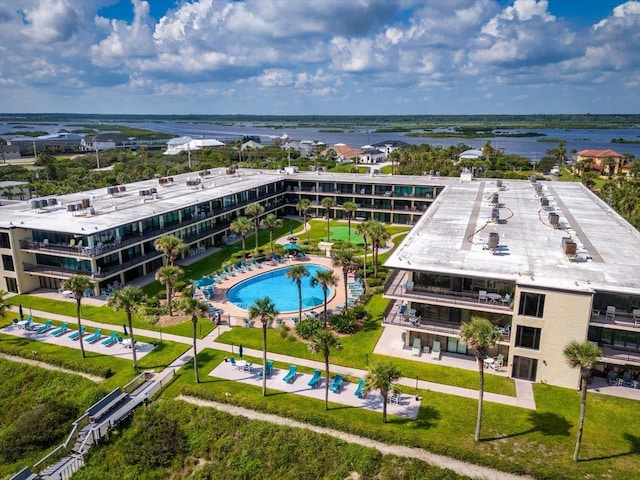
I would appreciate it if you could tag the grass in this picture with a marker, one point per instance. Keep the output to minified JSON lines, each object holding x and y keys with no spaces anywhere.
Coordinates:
{"x":105,"y":314}
{"x":539,"y":443}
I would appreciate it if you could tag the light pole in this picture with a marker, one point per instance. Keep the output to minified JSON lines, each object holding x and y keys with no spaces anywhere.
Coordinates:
{"x":97,"y":156}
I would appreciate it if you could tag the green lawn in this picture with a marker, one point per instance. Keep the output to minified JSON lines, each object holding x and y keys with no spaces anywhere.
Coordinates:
{"x":539,"y":443}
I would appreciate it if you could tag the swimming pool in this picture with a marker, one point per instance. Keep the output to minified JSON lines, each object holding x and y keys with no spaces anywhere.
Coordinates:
{"x":281,"y":290}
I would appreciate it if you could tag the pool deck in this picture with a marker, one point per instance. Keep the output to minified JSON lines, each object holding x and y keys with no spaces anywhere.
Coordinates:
{"x":236,"y":315}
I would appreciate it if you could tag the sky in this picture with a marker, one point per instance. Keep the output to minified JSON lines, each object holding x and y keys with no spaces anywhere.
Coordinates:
{"x":320,"y":57}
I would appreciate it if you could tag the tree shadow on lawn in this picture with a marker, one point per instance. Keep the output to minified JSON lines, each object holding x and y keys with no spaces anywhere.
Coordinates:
{"x":546,"y":423}
{"x":634,"y":440}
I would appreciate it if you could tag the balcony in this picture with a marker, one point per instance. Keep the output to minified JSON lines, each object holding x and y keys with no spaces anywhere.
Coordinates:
{"x":464,"y":300}
{"x":620,"y":357}
{"x":621,"y":320}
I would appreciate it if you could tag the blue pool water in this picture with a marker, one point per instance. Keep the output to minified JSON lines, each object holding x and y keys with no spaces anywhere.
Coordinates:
{"x":280,"y":289}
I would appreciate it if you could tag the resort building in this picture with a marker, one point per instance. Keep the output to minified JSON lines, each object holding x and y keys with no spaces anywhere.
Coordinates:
{"x":597,"y":160}
{"x":547,"y":263}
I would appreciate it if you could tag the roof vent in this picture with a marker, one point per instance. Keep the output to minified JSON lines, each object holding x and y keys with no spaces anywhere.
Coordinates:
{"x":570,"y":247}
{"x":554,"y":219}
{"x":544,"y":201}
{"x":495,"y":199}
{"x":499,"y":183}
{"x":495,"y":215}
{"x":494,"y":240}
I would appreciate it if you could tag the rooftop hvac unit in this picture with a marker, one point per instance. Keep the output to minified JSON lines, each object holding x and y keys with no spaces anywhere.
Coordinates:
{"x":533,"y":178}
{"x":494,"y":239}
{"x":112,"y":190}
{"x":153,"y":191}
{"x":495,"y":199}
{"x":499,"y":183}
{"x":544,"y":201}
{"x":554,"y":219}
{"x":122,"y":188}
{"x":570,"y":247}
{"x":52,"y":202}
{"x":495,"y":215}
{"x":86,"y":203}
{"x":35,"y":203}
{"x":72,"y":207}
{"x":538,"y":188}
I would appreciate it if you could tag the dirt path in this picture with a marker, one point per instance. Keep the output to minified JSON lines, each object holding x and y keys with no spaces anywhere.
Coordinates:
{"x":48,"y":366}
{"x":461,"y":468}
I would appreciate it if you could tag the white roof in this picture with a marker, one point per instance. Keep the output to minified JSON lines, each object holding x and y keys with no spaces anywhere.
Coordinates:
{"x":470,"y":154}
{"x":176,"y":145}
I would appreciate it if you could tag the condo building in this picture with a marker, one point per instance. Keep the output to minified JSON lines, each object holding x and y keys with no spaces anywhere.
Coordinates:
{"x":545,"y":262}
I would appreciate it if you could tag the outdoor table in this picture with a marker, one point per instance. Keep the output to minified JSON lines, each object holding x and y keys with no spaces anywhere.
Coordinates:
{"x":494,"y":297}
{"x":21,"y":323}
{"x":489,"y":363}
{"x":127,"y":343}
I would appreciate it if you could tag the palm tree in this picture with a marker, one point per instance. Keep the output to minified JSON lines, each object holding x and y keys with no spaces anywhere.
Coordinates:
{"x":610,"y":163}
{"x":78,"y":284}
{"x":380,"y":377}
{"x":362,"y":229}
{"x":349,"y":209}
{"x":346,"y":259}
{"x":583,"y":356}
{"x":196,"y":308}
{"x":303,"y":207}
{"x":241,"y":225}
{"x":254,"y":211}
{"x":326,"y":279}
{"x":264,"y":310}
{"x":171,"y":246}
{"x":479,"y":334}
{"x":4,"y":306}
{"x":271,"y":222}
{"x":297,"y":273}
{"x":323,"y":341}
{"x":168,"y":276}
{"x":129,"y":299}
{"x":378,"y":234}
{"x":328,"y":203}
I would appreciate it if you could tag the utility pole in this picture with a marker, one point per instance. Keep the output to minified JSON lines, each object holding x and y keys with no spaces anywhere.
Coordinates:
{"x":97,"y":156}
{"x":35,"y":154}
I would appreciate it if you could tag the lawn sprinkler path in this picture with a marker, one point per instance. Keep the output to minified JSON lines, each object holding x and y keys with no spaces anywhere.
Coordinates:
{"x":457,"y":466}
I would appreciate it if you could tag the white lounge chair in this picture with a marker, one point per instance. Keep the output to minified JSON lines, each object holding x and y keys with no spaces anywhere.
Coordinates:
{"x":435,"y":350}
{"x":417,"y":346}
{"x":498,"y":362}
{"x":482,"y":296}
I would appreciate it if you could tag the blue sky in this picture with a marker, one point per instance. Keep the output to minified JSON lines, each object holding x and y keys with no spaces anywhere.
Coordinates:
{"x":323,"y":57}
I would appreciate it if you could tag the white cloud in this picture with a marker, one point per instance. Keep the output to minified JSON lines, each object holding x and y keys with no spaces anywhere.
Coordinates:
{"x":51,"y":21}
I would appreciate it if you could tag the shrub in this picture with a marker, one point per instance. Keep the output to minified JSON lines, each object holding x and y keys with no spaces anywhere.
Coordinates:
{"x":344,"y":323}
{"x":374,"y":282}
{"x":308,"y":327}
{"x":359,"y":312}
{"x":179,"y":286}
{"x":283,"y":331}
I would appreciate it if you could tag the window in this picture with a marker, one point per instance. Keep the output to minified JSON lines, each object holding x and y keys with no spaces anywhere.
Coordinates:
{"x":528,"y":337}
{"x":12,"y":284}
{"x":531,"y":304}
{"x":7,"y":263}
{"x":4,"y":240}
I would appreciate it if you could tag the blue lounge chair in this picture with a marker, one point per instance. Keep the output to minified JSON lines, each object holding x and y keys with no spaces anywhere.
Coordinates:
{"x":110,"y":340}
{"x":255,"y":264}
{"x":295,"y":320}
{"x":246,"y":265}
{"x":361,"y":392}
{"x":267,"y":370}
{"x":291,"y":374}
{"x":336,"y":384}
{"x":95,"y":337}
{"x":233,"y":362}
{"x":315,"y":380}
{"x":77,"y":334}
{"x":44,"y":328}
{"x":303,"y":255}
{"x":60,"y":330}
{"x":29,"y":324}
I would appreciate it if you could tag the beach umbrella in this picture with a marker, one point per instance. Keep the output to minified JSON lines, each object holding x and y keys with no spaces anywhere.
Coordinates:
{"x":291,"y":246}
{"x":240,"y":350}
{"x":312,"y":301}
{"x":21,"y":312}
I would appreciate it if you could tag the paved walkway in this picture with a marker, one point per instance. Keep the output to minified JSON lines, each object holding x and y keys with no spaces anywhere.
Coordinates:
{"x":462,"y":468}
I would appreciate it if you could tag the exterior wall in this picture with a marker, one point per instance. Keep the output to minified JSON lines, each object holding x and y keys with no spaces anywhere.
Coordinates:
{"x":565,"y":318}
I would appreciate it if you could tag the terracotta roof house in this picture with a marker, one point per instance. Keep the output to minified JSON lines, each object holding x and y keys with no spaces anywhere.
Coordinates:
{"x":343,"y":152}
{"x":595,"y":157}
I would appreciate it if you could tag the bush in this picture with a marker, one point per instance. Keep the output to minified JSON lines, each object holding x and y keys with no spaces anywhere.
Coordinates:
{"x":344,"y":323}
{"x":360,"y":313}
{"x":308,"y":327}
{"x":374,"y":282}
{"x":179,"y":286}
{"x":283,"y":331}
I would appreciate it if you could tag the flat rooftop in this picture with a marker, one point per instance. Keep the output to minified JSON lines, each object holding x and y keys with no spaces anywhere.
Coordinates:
{"x":113,"y":210}
{"x":452,"y":238}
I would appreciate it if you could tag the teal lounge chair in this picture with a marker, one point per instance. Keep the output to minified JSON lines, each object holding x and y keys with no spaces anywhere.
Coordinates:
{"x":291,"y":374}
{"x":77,"y":334}
{"x":60,"y":331}
{"x":267,"y":370}
{"x":95,"y":337}
{"x":315,"y":380}
{"x":417,"y":346}
{"x":110,"y":340}
{"x":361,"y":392}
{"x":44,"y":328}
{"x":336,"y":384}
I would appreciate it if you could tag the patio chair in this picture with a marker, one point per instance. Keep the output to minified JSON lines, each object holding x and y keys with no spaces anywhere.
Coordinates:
{"x":611,"y":313}
{"x":498,"y":363}
{"x":29,"y":324}
{"x":505,"y":330}
{"x":336,"y":384}
{"x":482,"y":296}
{"x":60,"y":330}
{"x":255,"y":264}
{"x":267,"y":370}
{"x":395,"y":398}
{"x":248,"y":367}
{"x":612,"y":377}
{"x":506,"y":300}
{"x":95,"y":336}
{"x":435,"y":350}
{"x":361,"y":391}
{"x":636,"y":317}
{"x":77,"y":334}
{"x":110,"y":340}
{"x":417,"y":347}
{"x":233,"y":363}
{"x":14,"y":323}
{"x":315,"y":379}
{"x":626,"y":378}
{"x":291,"y":374}
{"x":44,"y":328}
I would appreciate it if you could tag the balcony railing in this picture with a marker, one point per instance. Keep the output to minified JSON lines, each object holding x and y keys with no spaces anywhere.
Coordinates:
{"x":397,"y":288}
{"x":616,"y":355}
{"x":620,"y":319}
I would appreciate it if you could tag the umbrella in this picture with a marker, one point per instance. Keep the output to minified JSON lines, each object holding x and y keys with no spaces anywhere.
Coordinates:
{"x":291,"y":246}
{"x":312,"y":301}
{"x":240,"y":350}
{"x":21,"y":313}
{"x":203,"y":282}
